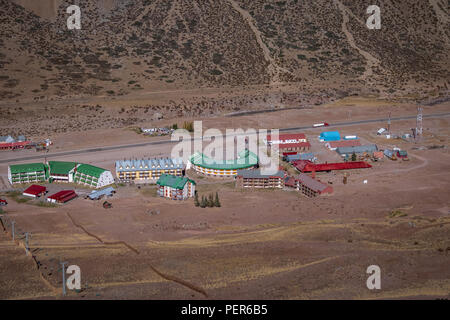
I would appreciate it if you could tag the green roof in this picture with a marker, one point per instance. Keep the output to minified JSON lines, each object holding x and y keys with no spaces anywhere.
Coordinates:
{"x":89,"y":170}
{"x":29,"y":167}
{"x":58,"y":167}
{"x":246,"y":159}
{"x":168,"y":180}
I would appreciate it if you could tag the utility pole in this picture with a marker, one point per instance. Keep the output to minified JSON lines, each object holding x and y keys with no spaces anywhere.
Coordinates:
{"x":63,"y":267}
{"x":419,"y":125}
{"x":389,"y":124}
{"x":27,"y":238}
{"x":13,"y":229}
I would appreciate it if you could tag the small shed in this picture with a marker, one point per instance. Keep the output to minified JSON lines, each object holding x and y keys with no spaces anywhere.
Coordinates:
{"x":62,"y":196}
{"x":107,"y":192}
{"x":35,"y":191}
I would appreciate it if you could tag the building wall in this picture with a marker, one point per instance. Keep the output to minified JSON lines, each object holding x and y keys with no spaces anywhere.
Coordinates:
{"x":146,"y":175}
{"x":176,"y":194}
{"x":215,"y":172}
{"x":264,"y":183}
{"x":26,"y":177}
{"x":106,"y":178}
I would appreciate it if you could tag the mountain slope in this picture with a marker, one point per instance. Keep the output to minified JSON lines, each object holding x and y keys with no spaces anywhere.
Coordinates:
{"x":127,"y":47}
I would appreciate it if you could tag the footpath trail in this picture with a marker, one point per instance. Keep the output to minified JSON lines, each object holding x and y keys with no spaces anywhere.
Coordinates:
{"x":371,"y":61}
{"x":155,"y":270}
{"x":274,"y":69}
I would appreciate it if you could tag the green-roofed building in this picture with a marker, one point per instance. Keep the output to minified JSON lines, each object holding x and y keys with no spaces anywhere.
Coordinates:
{"x":59,"y":171}
{"x":92,"y":176}
{"x":27,"y":173}
{"x":175,"y":187}
{"x":224,"y":168}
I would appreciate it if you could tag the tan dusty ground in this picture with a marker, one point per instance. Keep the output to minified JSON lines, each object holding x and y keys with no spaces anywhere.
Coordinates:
{"x":259,"y":244}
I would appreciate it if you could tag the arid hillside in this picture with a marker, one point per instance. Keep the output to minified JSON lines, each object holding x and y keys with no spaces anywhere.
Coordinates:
{"x":128,"y":47}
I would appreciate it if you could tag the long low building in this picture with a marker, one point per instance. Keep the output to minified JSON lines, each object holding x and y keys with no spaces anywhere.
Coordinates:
{"x":368,"y":148}
{"x":62,"y":196}
{"x":224,"y":168}
{"x":291,"y":142}
{"x":311,"y":187}
{"x":35,"y":191}
{"x":333,"y":145}
{"x":98,"y":194}
{"x":256,"y":179}
{"x":299,"y":156}
{"x":27,"y":173}
{"x":148,"y":170}
{"x":308,"y":166}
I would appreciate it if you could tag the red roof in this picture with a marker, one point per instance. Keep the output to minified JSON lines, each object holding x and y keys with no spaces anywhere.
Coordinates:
{"x":308,"y":166}
{"x":344,"y":143}
{"x":290,"y":153}
{"x":13,"y":145}
{"x":63,"y":196}
{"x":289,"y":136}
{"x":313,"y":184}
{"x":289,"y":182}
{"x":35,"y":190}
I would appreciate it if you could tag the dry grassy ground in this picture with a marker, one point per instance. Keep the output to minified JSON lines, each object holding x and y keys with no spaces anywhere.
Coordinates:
{"x":259,"y":244}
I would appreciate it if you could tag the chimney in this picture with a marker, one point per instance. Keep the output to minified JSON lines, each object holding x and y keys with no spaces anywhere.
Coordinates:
{"x":313,"y":175}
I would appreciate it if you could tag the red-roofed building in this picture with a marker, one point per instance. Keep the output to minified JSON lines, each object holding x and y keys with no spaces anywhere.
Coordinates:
{"x":308,"y":166}
{"x":62,"y":196}
{"x":14,"y":145}
{"x":311,"y":187}
{"x":287,"y":138}
{"x":300,"y":146}
{"x":35,"y":191}
{"x":333,"y":145}
{"x":290,"y":182}
{"x":293,"y":142}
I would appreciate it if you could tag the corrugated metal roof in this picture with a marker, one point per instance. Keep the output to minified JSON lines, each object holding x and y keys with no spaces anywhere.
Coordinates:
{"x":297,"y":157}
{"x":6,"y":139}
{"x":60,"y":167}
{"x":307,"y":166}
{"x":257,"y":174}
{"x":63,"y":195}
{"x":89,"y":170}
{"x":149,"y":164}
{"x":35,"y":189}
{"x":311,"y":183}
{"x":99,"y":193}
{"x":29,"y":167}
{"x":175,"y":182}
{"x":292,"y":157}
{"x":344,"y":143}
{"x":357,"y":149}
{"x":246,"y":159}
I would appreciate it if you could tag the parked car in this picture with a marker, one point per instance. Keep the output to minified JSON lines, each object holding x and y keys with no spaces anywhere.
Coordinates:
{"x":3,"y":202}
